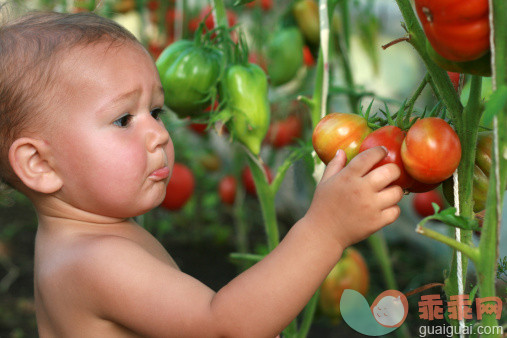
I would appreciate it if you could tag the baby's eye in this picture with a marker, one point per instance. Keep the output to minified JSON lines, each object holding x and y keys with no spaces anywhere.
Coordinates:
{"x":157,"y":112}
{"x":123,"y":121}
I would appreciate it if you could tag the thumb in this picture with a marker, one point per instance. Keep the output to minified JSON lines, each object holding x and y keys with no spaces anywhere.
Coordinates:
{"x":336,"y":164}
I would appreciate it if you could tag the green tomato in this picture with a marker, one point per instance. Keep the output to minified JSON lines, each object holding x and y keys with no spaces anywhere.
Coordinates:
{"x":482,"y":168}
{"x":285,"y":55}
{"x":245,"y":89}
{"x":189,"y":74}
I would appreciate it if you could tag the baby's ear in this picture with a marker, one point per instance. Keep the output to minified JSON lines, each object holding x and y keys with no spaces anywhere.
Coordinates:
{"x":30,"y":160}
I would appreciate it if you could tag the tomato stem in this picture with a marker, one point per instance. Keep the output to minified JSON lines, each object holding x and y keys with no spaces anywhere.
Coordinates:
{"x":266,"y":199}
{"x":489,"y":241}
{"x":396,"y":41}
{"x":441,"y":80}
{"x":417,"y":93}
{"x":472,"y":253}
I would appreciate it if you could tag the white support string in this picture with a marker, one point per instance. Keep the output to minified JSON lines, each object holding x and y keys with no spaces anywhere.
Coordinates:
{"x":459,"y":261}
{"x":324,"y":45}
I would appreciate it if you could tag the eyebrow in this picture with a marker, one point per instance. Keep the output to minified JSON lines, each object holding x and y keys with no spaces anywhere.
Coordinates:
{"x":158,"y":89}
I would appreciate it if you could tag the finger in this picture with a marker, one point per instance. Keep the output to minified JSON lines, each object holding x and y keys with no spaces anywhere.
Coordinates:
{"x":390,"y":196}
{"x":335,"y":165}
{"x":390,"y":214}
{"x":362,"y":163}
{"x":382,"y":176}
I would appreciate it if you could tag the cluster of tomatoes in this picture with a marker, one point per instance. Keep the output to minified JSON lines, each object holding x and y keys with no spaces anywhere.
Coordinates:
{"x":427,"y":154}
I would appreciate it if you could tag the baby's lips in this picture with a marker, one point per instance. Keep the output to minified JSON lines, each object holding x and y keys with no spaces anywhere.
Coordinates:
{"x":161,"y":173}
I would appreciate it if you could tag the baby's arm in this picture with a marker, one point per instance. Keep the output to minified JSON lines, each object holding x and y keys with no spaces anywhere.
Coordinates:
{"x":134,"y":289}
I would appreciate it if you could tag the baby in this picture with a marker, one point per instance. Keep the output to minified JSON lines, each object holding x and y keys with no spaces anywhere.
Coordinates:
{"x":81,"y":136}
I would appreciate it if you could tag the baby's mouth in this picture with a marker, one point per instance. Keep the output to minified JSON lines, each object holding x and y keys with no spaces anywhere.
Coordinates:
{"x":161,"y":173}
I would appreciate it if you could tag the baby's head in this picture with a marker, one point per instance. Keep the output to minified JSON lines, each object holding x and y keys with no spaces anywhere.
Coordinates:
{"x":79,"y":104}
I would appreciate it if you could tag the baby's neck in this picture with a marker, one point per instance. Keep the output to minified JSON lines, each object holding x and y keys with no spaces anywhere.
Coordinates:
{"x":53,"y":211}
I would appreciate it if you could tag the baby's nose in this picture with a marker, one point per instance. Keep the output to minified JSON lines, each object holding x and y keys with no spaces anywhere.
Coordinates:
{"x":156,"y":136}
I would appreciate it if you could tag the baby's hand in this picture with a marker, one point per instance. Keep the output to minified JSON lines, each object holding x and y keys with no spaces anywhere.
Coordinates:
{"x":352,"y":202}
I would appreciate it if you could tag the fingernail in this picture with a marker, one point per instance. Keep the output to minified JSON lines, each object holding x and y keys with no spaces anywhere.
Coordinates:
{"x":385,"y":149}
{"x":337,"y":152}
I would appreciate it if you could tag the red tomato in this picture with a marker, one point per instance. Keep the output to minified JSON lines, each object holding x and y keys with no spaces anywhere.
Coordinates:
{"x":351,"y":272}
{"x":390,"y":137}
{"x":210,"y":21}
{"x":227,"y":189}
{"x":454,"y":79}
{"x":266,"y":5}
{"x":457,"y":30}
{"x":152,"y":5}
{"x":339,"y":131}
{"x":308,"y":58}
{"x":422,"y":202}
{"x":431,"y":150}
{"x":199,"y":128}
{"x":259,"y":60}
{"x":155,"y":49}
{"x":422,"y":187}
{"x":248,"y":182}
{"x":284,"y":132}
{"x":180,"y":188}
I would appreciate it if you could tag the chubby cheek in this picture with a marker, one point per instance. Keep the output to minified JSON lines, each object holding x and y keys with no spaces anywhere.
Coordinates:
{"x":104,"y":176}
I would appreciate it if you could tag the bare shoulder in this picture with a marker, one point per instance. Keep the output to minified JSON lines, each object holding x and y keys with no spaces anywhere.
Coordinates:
{"x":121,"y":281}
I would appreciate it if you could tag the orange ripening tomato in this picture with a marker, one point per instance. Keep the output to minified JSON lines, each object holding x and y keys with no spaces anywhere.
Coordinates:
{"x":431,"y":150}
{"x":351,"y":272}
{"x":180,"y":188}
{"x":339,"y":131}
{"x":458,"y":30}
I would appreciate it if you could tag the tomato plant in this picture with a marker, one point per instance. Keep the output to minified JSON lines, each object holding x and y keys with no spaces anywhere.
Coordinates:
{"x":248,"y":182}
{"x":422,"y":202}
{"x":227,"y":189}
{"x":481,"y":172}
{"x":339,"y":131}
{"x":457,"y":31}
{"x":207,"y":16}
{"x":390,"y":137}
{"x":431,"y":150}
{"x":180,"y":187}
{"x":189,"y":74}
{"x":284,"y":132}
{"x":351,"y":272}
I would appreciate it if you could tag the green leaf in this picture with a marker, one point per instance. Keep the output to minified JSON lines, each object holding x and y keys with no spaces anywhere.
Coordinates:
{"x":495,"y":104}
{"x":449,"y":217}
